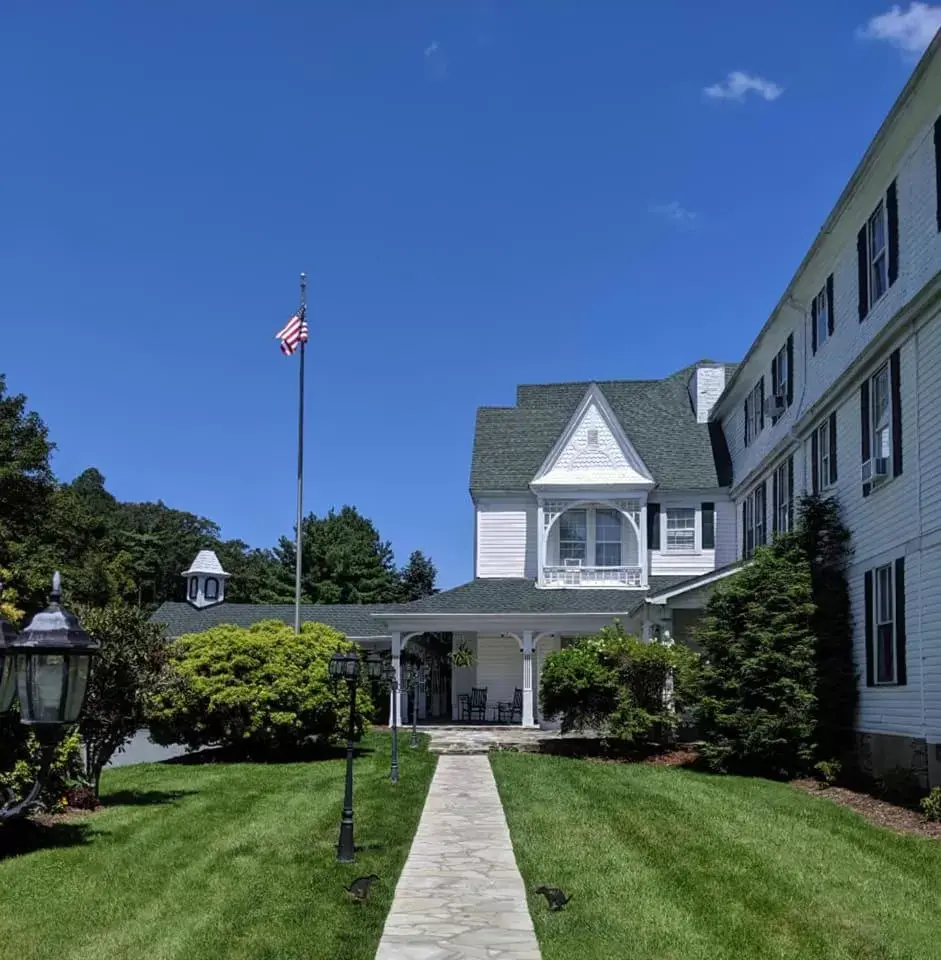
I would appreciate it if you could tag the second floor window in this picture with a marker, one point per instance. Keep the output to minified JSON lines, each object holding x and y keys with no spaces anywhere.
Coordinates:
{"x":880,"y":405}
{"x":823,"y":463}
{"x":753,"y":521}
{"x":681,"y":530}
{"x":783,"y":496}
{"x":573,"y":536}
{"x":607,"y":538}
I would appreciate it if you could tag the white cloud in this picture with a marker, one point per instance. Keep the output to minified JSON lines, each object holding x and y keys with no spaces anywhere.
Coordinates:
{"x":910,"y":31}
{"x":675,"y":213}
{"x":738,"y":83}
{"x":431,"y":49}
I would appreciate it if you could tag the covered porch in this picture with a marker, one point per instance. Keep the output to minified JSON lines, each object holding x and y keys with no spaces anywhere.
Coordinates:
{"x":504,"y":630}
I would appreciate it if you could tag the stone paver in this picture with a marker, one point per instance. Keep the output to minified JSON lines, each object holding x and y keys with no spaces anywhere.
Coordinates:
{"x":460,"y":894}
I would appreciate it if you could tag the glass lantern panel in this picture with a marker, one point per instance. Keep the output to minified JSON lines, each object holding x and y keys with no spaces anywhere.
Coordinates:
{"x":77,"y":683}
{"x":41,"y":678}
{"x":7,"y":681}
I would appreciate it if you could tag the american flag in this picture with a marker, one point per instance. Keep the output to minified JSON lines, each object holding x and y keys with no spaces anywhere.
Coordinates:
{"x":293,"y":333}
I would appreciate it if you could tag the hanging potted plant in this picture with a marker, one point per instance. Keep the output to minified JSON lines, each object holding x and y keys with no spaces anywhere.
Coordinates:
{"x":462,"y":657}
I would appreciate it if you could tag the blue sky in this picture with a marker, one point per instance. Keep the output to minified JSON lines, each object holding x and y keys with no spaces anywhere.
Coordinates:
{"x":482,"y":193}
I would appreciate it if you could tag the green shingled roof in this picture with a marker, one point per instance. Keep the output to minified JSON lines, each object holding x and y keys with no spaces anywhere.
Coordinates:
{"x":354,"y":620}
{"x":495,"y":595}
{"x":511,"y":443}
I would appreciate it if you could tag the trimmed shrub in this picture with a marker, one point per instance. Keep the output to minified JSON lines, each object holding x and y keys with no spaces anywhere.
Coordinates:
{"x":828,"y":772}
{"x":931,"y":805}
{"x":758,"y":709}
{"x":618,"y":685}
{"x":132,"y":653}
{"x":259,"y":691}
{"x":20,"y":756}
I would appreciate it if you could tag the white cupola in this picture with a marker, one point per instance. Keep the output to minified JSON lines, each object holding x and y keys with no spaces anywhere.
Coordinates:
{"x":205,"y":580}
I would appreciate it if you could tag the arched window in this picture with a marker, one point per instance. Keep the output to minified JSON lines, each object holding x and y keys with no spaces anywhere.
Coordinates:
{"x":212,"y":588}
{"x":194,"y":588}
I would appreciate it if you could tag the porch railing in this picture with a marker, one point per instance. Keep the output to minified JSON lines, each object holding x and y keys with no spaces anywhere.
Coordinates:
{"x":573,"y":576}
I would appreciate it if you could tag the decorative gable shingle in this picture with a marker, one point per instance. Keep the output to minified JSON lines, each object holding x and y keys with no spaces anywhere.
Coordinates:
{"x":511,"y":443}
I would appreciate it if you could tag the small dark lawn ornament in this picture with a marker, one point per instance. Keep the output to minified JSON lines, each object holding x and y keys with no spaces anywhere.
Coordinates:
{"x":359,"y":888}
{"x":554,"y":897}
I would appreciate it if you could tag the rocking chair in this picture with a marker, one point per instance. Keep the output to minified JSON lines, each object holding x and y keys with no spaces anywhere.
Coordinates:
{"x":478,"y":703}
{"x":517,"y":709}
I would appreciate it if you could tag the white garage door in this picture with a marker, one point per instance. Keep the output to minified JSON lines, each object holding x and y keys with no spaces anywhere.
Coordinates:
{"x":499,"y":668}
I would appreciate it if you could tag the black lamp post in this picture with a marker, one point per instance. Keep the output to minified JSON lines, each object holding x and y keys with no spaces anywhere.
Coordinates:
{"x":346,"y":666}
{"x":50,"y":662}
{"x":392,"y":679}
{"x":417,"y":675}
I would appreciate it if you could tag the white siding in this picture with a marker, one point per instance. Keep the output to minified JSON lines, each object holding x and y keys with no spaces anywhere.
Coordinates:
{"x":919,"y":261}
{"x":499,"y":668}
{"x":666,"y":564}
{"x":726,"y":537}
{"x":506,"y":537}
{"x":929,"y":625}
{"x":889,"y":709}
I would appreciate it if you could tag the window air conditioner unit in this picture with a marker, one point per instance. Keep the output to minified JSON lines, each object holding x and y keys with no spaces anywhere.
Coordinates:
{"x":571,"y":562}
{"x":775,"y":405}
{"x":876,"y":470}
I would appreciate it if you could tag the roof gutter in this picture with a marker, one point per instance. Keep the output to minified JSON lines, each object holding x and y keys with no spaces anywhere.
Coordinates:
{"x":849,"y":191}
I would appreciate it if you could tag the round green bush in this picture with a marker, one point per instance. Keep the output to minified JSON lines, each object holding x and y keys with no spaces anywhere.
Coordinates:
{"x":260,"y":691}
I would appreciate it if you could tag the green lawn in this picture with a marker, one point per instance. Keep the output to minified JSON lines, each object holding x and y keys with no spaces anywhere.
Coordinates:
{"x":216,"y":861}
{"x":667,"y":864}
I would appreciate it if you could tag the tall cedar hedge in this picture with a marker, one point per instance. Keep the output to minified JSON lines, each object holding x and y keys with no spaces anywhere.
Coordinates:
{"x":778,"y":688}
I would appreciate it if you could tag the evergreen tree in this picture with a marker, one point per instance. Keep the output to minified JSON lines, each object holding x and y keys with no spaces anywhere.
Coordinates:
{"x":417,"y":577}
{"x":759,"y":705}
{"x":344,"y":561}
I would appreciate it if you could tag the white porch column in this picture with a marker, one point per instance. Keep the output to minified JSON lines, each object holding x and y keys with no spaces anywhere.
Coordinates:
{"x":528,"y":717}
{"x":397,"y":666}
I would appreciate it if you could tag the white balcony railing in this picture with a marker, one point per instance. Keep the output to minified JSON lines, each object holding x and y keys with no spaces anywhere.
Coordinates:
{"x":578,"y":576}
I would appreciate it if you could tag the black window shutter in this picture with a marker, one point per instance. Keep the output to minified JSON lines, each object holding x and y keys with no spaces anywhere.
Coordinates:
{"x":862,"y":257}
{"x":790,"y":369}
{"x":813,"y":325}
{"x":892,"y":214}
{"x":653,"y":526}
{"x":815,"y":462}
{"x":774,"y":502}
{"x":867,"y":600}
{"x":937,"y":168}
{"x":831,"y":306}
{"x":744,"y":530}
{"x":745,"y":418}
{"x":774,"y":376}
{"x":901,"y":669}
{"x":833,"y":473}
{"x":790,"y":493}
{"x":895,"y":380}
{"x":761,"y":412}
{"x":708,"y":526}
{"x":864,"y":428}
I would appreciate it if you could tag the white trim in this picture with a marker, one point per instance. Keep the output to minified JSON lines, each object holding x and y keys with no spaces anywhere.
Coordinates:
{"x":594,"y":396}
{"x":697,"y":583}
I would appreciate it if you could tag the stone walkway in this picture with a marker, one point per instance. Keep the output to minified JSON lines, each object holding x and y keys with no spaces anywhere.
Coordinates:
{"x":460,"y":894}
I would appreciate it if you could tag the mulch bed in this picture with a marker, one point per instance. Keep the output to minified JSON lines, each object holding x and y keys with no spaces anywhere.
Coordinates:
{"x":880,"y":812}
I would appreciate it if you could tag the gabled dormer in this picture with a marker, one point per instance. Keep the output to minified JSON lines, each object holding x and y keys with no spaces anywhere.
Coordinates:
{"x":591,"y":494}
{"x":593,"y":451}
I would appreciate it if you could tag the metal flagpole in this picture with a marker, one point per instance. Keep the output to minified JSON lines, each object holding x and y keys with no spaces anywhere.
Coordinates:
{"x":300,"y":466}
